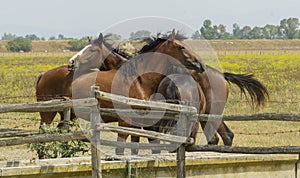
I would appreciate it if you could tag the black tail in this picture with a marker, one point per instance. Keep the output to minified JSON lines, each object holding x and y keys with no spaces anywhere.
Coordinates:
{"x":257,"y":91}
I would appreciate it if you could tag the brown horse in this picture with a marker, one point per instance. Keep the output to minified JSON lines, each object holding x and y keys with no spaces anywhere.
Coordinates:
{"x":214,"y":85}
{"x":178,"y":87}
{"x":215,"y":88}
{"x":57,"y":83}
{"x":138,"y":77}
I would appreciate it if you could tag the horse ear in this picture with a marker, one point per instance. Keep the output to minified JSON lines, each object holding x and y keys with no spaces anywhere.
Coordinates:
{"x":100,"y":39}
{"x":173,"y":35}
{"x":89,"y":39}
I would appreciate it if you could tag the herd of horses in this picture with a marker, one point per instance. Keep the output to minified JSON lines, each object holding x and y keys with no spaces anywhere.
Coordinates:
{"x":164,"y":69}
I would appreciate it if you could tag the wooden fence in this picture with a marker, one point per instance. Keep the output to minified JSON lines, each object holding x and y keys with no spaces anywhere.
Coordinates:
{"x":183,"y":113}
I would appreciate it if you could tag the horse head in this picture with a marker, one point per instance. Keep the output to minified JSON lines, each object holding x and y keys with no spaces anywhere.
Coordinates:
{"x":173,"y":46}
{"x":98,"y":54}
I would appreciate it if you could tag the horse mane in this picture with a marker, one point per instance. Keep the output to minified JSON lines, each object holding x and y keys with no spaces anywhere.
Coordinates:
{"x":153,"y":42}
{"x":108,"y":45}
{"x":177,"y":70}
{"x":129,"y":69}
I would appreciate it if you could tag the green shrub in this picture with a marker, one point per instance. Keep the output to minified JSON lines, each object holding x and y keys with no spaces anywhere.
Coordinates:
{"x":19,"y":44}
{"x":77,"y":45}
{"x":58,"y":149}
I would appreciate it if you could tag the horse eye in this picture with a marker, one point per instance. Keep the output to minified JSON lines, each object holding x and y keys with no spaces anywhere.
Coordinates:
{"x":92,"y":50}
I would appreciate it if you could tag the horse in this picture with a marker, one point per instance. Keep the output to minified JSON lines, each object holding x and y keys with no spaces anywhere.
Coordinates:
{"x":214,"y":86}
{"x":57,"y":83}
{"x":137,"y":78}
{"x":178,"y":87}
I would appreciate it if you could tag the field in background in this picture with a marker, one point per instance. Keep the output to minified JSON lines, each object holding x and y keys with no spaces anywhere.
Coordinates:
{"x":277,"y":69}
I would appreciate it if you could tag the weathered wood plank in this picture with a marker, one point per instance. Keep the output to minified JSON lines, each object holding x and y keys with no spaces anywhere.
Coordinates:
{"x":251,"y":117}
{"x":246,"y":150}
{"x":146,"y":133}
{"x":44,"y":138}
{"x":19,"y":133}
{"x":143,"y":103}
{"x":135,"y":145}
{"x":48,"y":106}
{"x":138,"y":114}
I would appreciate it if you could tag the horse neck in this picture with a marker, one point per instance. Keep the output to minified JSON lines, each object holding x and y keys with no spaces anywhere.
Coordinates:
{"x":112,"y":61}
{"x":152,"y":70}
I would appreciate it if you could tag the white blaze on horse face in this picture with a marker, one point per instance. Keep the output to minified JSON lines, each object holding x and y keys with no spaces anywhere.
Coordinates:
{"x":71,"y":61}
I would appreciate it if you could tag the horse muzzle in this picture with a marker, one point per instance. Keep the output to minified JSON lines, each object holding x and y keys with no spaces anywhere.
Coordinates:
{"x":71,"y":65}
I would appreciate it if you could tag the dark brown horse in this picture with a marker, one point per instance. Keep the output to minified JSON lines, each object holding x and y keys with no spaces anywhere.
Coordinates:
{"x":214,"y":85}
{"x":57,"y":83}
{"x":178,"y":87}
{"x":138,"y":77}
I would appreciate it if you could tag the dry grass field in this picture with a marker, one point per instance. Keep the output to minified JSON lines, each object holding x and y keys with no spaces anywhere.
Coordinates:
{"x":274,"y":63}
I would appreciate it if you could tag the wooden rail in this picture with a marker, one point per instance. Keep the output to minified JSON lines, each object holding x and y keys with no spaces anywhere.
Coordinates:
{"x":158,"y":109}
{"x":48,"y":106}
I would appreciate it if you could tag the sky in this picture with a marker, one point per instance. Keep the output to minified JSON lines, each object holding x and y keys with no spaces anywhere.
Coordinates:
{"x":79,"y":18}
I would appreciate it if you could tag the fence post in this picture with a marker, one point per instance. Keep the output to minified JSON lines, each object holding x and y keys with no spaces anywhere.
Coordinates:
{"x":67,"y":116}
{"x":182,"y":130}
{"x":95,"y":139}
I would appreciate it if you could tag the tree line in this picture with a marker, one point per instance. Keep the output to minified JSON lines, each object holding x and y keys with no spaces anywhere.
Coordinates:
{"x":287,"y":29}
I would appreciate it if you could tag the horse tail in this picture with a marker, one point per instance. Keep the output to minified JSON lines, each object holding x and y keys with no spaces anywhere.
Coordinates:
{"x":257,"y":91}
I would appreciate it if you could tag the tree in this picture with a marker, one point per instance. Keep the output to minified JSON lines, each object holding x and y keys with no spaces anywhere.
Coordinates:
{"x":222,"y":33}
{"x":236,"y":31}
{"x":8,"y":36}
{"x":61,"y":37}
{"x":114,"y":36}
{"x":256,"y":33}
{"x":289,"y":28}
{"x":52,"y":38}
{"x":139,"y":34}
{"x":196,"y":35}
{"x":19,"y":44}
{"x":207,"y":31}
{"x":77,"y":45}
{"x":270,"y":31}
{"x":32,"y":37}
{"x":245,"y":32}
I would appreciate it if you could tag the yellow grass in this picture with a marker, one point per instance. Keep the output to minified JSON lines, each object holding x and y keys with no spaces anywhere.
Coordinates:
{"x":278,"y":70}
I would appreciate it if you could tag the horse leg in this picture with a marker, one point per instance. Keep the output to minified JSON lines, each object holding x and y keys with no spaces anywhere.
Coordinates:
{"x":210,"y":133}
{"x":47,"y":118}
{"x":151,"y":140}
{"x":122,"y":138}
{"x":61,"y":123}
{"x":195,"y":131}
{"x":226,"y":134}
{"x":135,"y":139}
{"x":223,"y":130}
